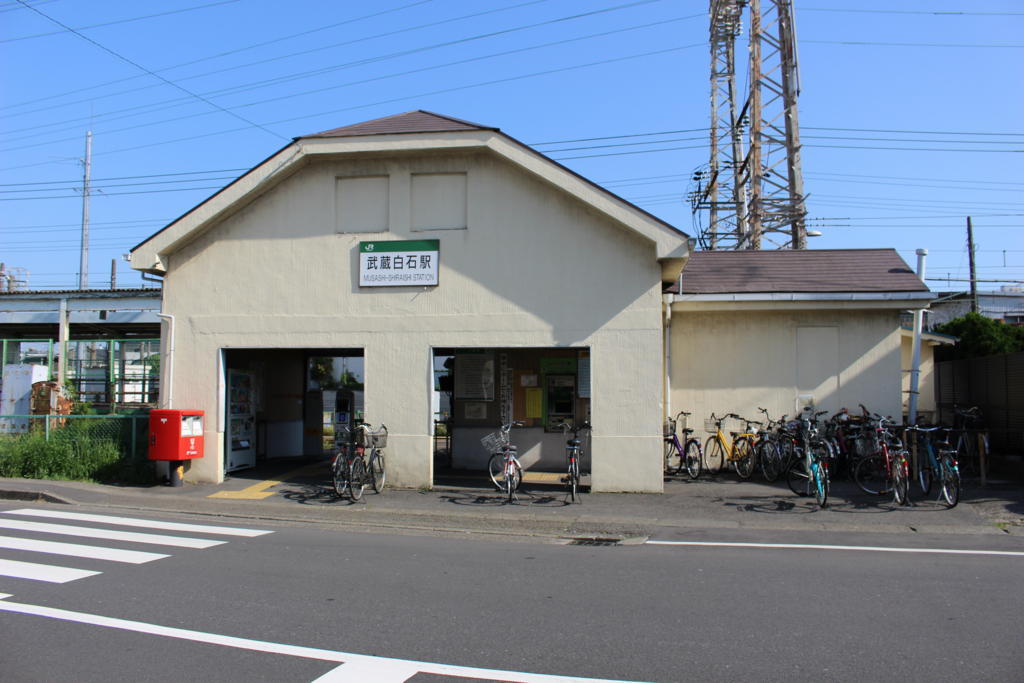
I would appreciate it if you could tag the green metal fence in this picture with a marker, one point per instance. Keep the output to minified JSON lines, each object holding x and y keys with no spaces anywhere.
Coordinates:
{"x":101,"y":371}
{"x":129,"y":432}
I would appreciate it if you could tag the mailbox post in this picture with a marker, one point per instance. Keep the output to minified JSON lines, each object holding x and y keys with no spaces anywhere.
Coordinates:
{"x":177,"y":437}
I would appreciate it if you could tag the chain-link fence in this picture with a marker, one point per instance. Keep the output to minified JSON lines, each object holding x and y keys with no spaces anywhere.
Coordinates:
{"x":110,"y":447}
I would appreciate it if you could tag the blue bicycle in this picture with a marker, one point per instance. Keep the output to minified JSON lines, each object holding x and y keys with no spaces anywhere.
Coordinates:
{"x":937,"y":465}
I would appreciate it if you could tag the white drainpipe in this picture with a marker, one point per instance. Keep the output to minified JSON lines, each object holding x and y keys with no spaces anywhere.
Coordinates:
{"x":667,"y":298}
{"x":915,"y":363}
{"x":167,"y":397}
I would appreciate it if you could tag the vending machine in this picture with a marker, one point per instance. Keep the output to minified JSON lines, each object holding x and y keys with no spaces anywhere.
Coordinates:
{"x":241,"y":434}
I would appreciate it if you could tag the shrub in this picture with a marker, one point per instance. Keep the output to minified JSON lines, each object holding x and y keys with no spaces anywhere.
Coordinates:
{"x":83,"y":458}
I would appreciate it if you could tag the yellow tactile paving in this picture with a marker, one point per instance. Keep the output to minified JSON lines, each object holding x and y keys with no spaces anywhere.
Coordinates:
{"x":543,"y":477}
{"x":258,"y":491}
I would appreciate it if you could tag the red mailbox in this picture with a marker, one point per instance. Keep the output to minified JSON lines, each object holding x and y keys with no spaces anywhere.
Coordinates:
{"x":175,"y":434}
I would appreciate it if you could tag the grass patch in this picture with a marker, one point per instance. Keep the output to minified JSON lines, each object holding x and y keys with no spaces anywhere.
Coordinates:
{"x":82,"y":458}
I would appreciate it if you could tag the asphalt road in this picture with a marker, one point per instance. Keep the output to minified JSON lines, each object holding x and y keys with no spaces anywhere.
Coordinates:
{"x":308,"y":600}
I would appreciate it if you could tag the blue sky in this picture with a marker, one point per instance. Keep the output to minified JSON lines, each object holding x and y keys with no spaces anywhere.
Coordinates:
{"x":910,"y":111}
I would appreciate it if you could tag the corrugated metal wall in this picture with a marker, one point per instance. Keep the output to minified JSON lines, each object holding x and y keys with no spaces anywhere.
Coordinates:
{"x":993,"y":383}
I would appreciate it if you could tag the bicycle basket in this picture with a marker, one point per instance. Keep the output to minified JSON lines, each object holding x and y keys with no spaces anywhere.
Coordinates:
{"x":378,"y":439}
{"x":493,"y":442}
{"x":669,"y":428}
{"x":710,"y":426}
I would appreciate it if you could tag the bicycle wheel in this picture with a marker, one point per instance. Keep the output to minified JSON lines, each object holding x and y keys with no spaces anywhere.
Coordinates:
{"x":796,"y":478}
{"x":871,"y":475}
{"x":821,"y":483}
{"x":767,"y":454}
{"x":378,"y":475}
{"x":924,"y":472}
{"x":693,"y":458}
{"x":574,"y":480}
{"x":743,"y":454}
{"x":673,"y":463}
{"x":339,"y":475}
{"x":496,"y":470}
{"x":949,"y":474}
{"x":356,"y":478}
{"x":513,"y":477}
{"x":967,"y":453}
{"x":714,"y":455}
{"x":900,"y":479}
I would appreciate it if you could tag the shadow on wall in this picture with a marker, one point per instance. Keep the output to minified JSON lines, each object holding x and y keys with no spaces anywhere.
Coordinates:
{"x":739,"y":361}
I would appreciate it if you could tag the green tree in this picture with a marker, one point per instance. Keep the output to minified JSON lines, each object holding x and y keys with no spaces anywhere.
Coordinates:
{"x":981,"y":336}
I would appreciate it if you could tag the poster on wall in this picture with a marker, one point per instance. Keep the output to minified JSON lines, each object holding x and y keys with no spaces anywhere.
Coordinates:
{"x":474,"y":376}
{"x":583,"y":376}
{"x":399,"y":263}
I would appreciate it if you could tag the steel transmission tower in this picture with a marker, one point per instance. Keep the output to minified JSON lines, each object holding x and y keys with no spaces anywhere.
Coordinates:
{"x":753,"y":196}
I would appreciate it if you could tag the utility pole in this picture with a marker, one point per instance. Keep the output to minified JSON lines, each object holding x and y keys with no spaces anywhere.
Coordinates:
{"x":970,"y":261}
{"x":83,"y":268}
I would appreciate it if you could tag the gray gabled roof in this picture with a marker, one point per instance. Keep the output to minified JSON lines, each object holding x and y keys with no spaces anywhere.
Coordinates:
{"x":811,"y":271}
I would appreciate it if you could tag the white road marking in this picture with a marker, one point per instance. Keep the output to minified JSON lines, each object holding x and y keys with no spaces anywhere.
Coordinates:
{"x":867,"y":548}
{"x":42,"y":572}
{"x":108,"y":534}
{"x":365,"y":666}
{"x":145,"y":523}
{"x":79,"y":550}
{"x":359,"y":671}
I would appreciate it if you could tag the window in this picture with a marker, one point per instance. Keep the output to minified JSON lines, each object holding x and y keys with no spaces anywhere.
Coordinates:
{"x":439,"y":201}
{"x":361,"y":204}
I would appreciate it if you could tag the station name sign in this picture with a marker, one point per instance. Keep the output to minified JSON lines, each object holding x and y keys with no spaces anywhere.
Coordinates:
{"x":405,"y":263}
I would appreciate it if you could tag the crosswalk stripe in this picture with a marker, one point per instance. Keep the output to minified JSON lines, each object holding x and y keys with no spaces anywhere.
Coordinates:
{"x":79,"y":550}
{"x":42,"y":572}
{"x":109,"y":534}
{"x":145,"y":523}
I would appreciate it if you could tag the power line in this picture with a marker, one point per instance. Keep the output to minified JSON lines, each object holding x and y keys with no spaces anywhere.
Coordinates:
{"x":148,"y":191}
{"x":894,"y":44}
{"x":119,"y":21}
{"x":265,"y":83}
{"x":130,"y":177}
{"x":253,"y":46}
{"x":151,"y":73}
{"x":943,"y":13}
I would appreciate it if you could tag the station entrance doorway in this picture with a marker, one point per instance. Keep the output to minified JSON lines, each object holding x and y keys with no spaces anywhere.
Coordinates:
{"x":288,"y":403}
{"x":477,"y":390}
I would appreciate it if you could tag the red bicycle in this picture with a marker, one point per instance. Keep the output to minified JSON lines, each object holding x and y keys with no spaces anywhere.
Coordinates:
{"x":887,"y":469}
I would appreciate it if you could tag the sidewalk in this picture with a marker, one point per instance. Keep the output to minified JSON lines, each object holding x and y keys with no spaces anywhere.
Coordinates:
{"x":287,"y":492}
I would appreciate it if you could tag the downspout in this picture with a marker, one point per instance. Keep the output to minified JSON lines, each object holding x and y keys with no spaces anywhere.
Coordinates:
{"x":167,"y":397}
{"x":915,"y":363}
{"x":667,"y":326}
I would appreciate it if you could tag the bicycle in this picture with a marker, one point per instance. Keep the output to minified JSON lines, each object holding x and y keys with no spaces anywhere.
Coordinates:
{"x":808,"y":470}
{"x":968,"y":424}
{"x":376,"y":441}
{"x":886,"y":469}
{"x":351,"y":470}
{"x":738,"y":450}
{"x":687,"y":456}
{"x":503,"y":466}
{"x":573,"y":451}
{"x":768,"y":451}
{"x":941,"y":466}
{"x":348,"y":468}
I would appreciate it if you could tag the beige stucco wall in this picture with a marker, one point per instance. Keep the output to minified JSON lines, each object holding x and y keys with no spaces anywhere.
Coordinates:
{"x":740,"y":360}
{"x":535,"y":268}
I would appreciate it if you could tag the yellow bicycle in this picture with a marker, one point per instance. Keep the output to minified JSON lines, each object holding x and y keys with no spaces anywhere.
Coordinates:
{"x":737,"y":448}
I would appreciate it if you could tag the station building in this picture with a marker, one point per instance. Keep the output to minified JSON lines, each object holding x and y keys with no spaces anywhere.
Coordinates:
{"x":416,"y":264}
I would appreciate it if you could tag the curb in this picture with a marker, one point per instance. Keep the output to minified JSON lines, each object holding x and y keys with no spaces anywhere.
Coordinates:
{"x":34,"y":497}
